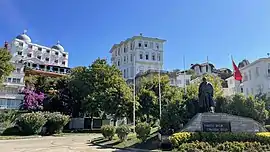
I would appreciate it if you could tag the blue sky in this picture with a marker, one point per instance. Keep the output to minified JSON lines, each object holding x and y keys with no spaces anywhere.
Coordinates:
{"x":195,"y":28}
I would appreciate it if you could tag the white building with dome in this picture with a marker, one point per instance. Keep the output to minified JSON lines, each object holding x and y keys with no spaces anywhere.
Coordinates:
{"x":137,"y":54}
{"x":30,"y":59}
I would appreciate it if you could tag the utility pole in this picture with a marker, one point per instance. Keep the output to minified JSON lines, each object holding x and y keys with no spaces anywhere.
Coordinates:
{"x":184,"y":62}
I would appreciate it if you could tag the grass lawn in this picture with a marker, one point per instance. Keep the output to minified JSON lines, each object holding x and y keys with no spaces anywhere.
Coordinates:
{"x":17,"y":137}
{"x":151,"y":143}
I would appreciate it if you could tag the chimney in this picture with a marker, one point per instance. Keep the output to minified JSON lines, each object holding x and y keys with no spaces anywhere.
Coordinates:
{"x":6,"y":45}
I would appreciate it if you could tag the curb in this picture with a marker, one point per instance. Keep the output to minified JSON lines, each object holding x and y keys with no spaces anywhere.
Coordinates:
{"x":129,"y":149}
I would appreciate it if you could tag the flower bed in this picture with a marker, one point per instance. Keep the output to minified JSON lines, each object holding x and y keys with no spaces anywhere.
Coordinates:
{"x":178,"y":139}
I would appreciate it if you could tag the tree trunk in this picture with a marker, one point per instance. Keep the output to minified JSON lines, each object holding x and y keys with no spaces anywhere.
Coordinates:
{"x":92,"y":122}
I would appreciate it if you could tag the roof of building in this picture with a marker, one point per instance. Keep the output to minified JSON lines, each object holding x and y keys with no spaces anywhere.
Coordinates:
{"x":256,"y":61}
{"x":24,"y":37}
{"x":58,"y":47}
{"x":136,"y":37}
{"x":201,"y":65}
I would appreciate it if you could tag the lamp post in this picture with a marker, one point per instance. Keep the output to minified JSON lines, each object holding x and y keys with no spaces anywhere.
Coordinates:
{"x":134,"y":92}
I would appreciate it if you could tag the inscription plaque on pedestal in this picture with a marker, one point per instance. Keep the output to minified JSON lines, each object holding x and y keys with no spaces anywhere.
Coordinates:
{"x":216,"y":126}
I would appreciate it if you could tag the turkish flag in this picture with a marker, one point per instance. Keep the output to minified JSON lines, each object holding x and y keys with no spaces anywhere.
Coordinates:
{"x":236,"y":72}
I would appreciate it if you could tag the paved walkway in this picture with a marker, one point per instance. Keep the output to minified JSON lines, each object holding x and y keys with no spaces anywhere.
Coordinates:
{"x":71,"y":143}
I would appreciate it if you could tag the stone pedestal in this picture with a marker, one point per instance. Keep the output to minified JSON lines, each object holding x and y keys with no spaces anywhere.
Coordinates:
{"x":222,"y":122}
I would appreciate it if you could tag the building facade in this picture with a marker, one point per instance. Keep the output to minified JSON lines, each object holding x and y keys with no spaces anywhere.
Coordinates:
{"x":30,"y":59}
{"x":137,"y":54}
{"x":204,"y":68}
{"x":256,"y":79}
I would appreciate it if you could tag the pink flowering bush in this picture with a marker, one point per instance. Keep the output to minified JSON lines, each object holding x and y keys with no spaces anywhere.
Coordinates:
{"x":33,"y":100}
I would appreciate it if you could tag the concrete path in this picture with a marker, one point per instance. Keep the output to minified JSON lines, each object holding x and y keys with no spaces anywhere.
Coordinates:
{"x":71,"y":143}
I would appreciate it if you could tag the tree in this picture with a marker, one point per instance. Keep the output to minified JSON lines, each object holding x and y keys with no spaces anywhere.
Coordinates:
{"x":6,"y":67}
{"x":32,"y":100}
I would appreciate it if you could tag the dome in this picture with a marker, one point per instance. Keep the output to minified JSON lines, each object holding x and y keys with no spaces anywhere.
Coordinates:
{"x":58,"y":46}
{"x":24,"y":37}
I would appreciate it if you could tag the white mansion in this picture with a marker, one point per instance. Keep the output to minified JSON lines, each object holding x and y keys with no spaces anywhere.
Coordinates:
{"x":137,"y":54}
{"x":256,"y":79}
{"x":37,"y":59}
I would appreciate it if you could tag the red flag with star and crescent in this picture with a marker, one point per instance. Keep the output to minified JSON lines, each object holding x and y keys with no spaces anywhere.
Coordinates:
{"x":236,"y":72}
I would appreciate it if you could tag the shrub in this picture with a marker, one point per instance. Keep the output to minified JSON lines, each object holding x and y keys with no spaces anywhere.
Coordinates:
{"x":143,"y":130}
{"x":182,"y":137}
{"x":267,"y":127}
{"x":122,"y":132}
{"x":108,"y":131}
{"x":226,"y":146}
{"x":55,"y":122}
{"x":15,"y":130}
{"x":31,"y":123}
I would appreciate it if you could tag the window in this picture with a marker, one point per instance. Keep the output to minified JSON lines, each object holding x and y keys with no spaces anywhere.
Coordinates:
{"x":47,"y":59}
{"x":130,"y":46}
{"x":18,"y":70}
{"x":125,"y":49}
{"x":249,"y":74}
{"x":257,"y":71}
{"x":19,"y":52}
{"x":158,"y":57}
{"x":14,"y":80}
{"x":56,"y":61}
{"x":48,"y":51}
{"x":247,"y":91}
{"x":206,"y":68}
{"x":21,"y":44}
{"x":30,"y":46}
{"x":29,"y":55}
{"x":141,"y":56}
{"x":124,"y":59}
{"x":147,"y":56}
{"x":39,"y":57}
{"x":268,"y":68}
{"x":124,"y":73}
{"x":151,"y":45}
{"x":140,"y":44}
{"x":118,"y":63}
{"x":242,"y":90}
{"x":187,"y":82}
{"x":118,"y":51}
{"x":157,"y":46}
{"x":131,"y":57}
{"x":63,"y":62}
{"x":40,"y":49}
{"x":64,"y":55}
{"x":153,"y":57}
{"x":245,"y":77}
{"x":145,"y":44}
{"x":18,"y":80}
{"x":56,"y":53}
{"x":9,"y":80}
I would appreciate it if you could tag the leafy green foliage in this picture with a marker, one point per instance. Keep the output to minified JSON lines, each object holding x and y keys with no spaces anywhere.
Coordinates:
{"x":243,"y":106}
{"x":14,"y":130}
{"x":143,"y":131}
{"x":31,"y":123}
{"x":122,"y":132}
{"x":55,"y":122}
{"x":182,"y":137}
{"x":6,"y":67}
{"x":108,"y":131}
{"x":226,"y":146}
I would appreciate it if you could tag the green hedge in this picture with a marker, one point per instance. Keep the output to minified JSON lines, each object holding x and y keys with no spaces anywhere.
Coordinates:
{"x":183,"y":137}
{"x":108,"y":131}
{"x":122,"y":132}
{"x":55,"y":122}
{"x":267,"y":127}
{"x":143,"y":131}
{"x":31,"y":123}
{"x":226,"y":146}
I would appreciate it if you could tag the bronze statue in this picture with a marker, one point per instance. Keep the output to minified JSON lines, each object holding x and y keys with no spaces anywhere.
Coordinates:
{"x":206,"y":92}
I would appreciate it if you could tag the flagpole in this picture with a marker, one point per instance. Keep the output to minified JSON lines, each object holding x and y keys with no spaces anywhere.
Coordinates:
{"x":159,"y":91}
{"x":184,"y":74}
{"x":134,"y":93}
